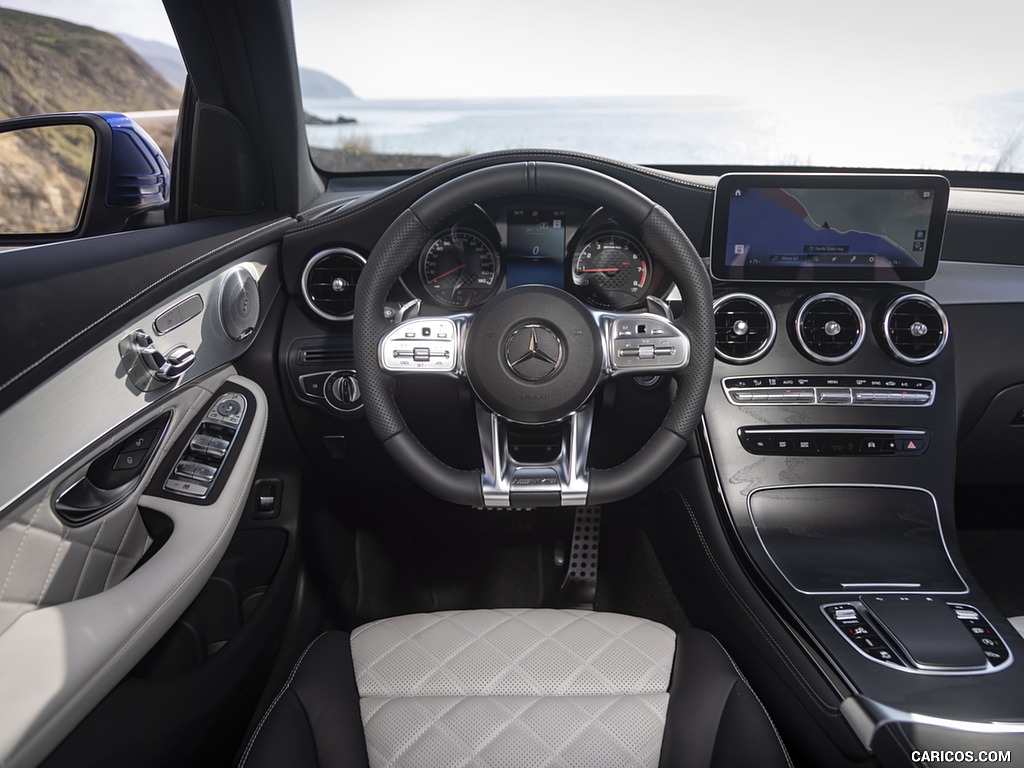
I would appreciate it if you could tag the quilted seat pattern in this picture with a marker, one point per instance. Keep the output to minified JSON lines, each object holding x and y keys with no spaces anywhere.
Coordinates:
{"x":513,"y":688}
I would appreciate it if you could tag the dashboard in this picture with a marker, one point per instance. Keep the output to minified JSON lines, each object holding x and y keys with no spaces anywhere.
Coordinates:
{"x":828,"y":444}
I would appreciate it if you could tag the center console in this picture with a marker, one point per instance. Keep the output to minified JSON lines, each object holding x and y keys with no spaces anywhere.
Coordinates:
{"x":830,"y":433}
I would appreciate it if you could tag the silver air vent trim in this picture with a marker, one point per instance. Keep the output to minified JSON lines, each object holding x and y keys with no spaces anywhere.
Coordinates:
{"x":930,"y":302}
{"x":308,"y":271}
{"x":772,"y":328}
{"x":843,"y":300}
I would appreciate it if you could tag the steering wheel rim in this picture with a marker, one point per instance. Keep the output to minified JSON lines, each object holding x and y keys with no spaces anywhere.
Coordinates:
{"x":402,"y":243}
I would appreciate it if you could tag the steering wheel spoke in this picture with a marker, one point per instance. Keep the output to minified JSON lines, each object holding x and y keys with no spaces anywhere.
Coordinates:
{"x":642,"y":342}
{"x":425,"y":345}
{"x":564,"y":481}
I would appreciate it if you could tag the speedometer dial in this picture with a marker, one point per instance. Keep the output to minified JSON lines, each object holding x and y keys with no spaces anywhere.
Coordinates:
{"x":460,"y":268}
{"x":611,"y":271}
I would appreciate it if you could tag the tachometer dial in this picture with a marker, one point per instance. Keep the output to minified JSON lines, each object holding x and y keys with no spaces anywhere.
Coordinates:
{"x":460,"y":268}
{"x":611,"y":271}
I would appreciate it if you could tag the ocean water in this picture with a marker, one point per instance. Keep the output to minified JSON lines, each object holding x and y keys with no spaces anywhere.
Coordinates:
{"x":982,"y":134}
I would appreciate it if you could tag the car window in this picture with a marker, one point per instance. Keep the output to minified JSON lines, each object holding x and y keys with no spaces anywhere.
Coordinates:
{"x":875,"y":84}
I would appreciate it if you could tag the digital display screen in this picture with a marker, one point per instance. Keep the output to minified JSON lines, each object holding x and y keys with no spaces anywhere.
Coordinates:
{"x":828,"y":227}
{"x":535,"y":253}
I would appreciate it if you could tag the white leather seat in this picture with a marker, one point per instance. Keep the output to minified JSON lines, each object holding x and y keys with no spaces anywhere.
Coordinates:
{"x":516,"y":688}
{"x":1018,"y":623}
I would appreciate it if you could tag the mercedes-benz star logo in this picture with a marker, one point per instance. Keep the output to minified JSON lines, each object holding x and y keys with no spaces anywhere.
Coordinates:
{"x":533,"y":352}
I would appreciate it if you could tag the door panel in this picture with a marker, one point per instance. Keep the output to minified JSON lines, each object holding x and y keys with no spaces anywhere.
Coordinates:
{"x":81,"y":603}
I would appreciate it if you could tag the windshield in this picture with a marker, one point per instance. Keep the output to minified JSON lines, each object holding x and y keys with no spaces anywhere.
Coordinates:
{"x":877,"y":84}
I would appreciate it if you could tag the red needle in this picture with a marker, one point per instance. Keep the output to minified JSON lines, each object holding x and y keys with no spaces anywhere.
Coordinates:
{"x":600,"y":269}
{"x":456,"y":269}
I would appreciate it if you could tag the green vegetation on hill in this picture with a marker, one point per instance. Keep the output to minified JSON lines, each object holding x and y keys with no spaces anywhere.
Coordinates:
{"x":49,"y":65}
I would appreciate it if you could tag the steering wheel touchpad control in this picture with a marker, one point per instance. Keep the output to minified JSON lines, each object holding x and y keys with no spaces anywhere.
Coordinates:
{"x":199,"y":465}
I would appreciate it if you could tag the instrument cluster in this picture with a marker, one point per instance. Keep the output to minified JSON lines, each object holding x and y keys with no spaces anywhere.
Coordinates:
{"x":592,"y":253}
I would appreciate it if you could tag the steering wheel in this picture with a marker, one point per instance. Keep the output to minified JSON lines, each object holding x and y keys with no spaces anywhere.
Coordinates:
{"x":534,"y":354}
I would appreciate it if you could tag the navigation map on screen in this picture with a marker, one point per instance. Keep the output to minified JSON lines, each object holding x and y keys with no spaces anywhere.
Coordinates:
{"x":824,"y":227}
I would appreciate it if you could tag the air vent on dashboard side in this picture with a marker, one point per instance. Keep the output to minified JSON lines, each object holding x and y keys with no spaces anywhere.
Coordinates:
{"x":830,"y":328}
{"x":744,"y":328}
{"x":329,"y":283}
{"x":915,"y":328}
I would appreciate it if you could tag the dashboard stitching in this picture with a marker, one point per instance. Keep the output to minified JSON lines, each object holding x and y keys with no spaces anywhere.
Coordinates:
{"x":126,"y":302}
{"x":338,"y":203}
{"x":443,"y":169}
{"x":830,"y":711}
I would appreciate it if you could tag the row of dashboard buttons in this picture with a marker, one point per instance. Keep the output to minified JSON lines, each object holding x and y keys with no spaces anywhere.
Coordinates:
{"x":828,"y":390}
{"x":768,"y":442}
{"x":828,"y":396}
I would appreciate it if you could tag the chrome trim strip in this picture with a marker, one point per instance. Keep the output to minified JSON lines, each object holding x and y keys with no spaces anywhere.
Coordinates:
{"x":866,"y":716}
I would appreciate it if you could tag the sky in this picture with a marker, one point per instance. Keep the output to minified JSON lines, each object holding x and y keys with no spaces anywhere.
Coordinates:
{"x":818,"y":49}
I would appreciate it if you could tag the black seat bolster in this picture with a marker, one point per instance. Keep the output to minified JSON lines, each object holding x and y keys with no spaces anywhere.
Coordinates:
{"x":714,"y":720}
{"x":315,"y":720}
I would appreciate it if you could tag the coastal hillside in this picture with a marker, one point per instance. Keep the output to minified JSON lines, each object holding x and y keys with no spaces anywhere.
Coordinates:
{"x":49,"y":65}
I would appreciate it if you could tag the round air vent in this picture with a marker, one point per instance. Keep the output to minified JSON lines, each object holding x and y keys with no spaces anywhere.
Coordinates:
{"x":744,"y":328}
{"x":915,"y":328}
{"x":329,"y":283}
{"x":830,"y":328}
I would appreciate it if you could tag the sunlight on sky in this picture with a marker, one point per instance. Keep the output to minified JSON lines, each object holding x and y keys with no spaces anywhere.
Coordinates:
{"x":912,"y":49}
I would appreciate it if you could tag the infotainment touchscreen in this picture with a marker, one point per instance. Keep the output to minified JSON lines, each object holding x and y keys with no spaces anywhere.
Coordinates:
{"x":833,"y":227}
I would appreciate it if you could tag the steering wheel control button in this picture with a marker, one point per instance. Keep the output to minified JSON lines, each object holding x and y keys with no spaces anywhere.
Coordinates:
{"x":420,"y":345}
{"x":533,"y":352}
{"x":646,"y":341}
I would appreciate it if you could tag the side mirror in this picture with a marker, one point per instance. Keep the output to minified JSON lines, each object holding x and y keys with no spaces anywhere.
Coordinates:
{"x":77,"y":174}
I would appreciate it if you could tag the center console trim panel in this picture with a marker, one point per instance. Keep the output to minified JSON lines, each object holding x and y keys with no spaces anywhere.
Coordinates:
{"x":863,"y":588}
